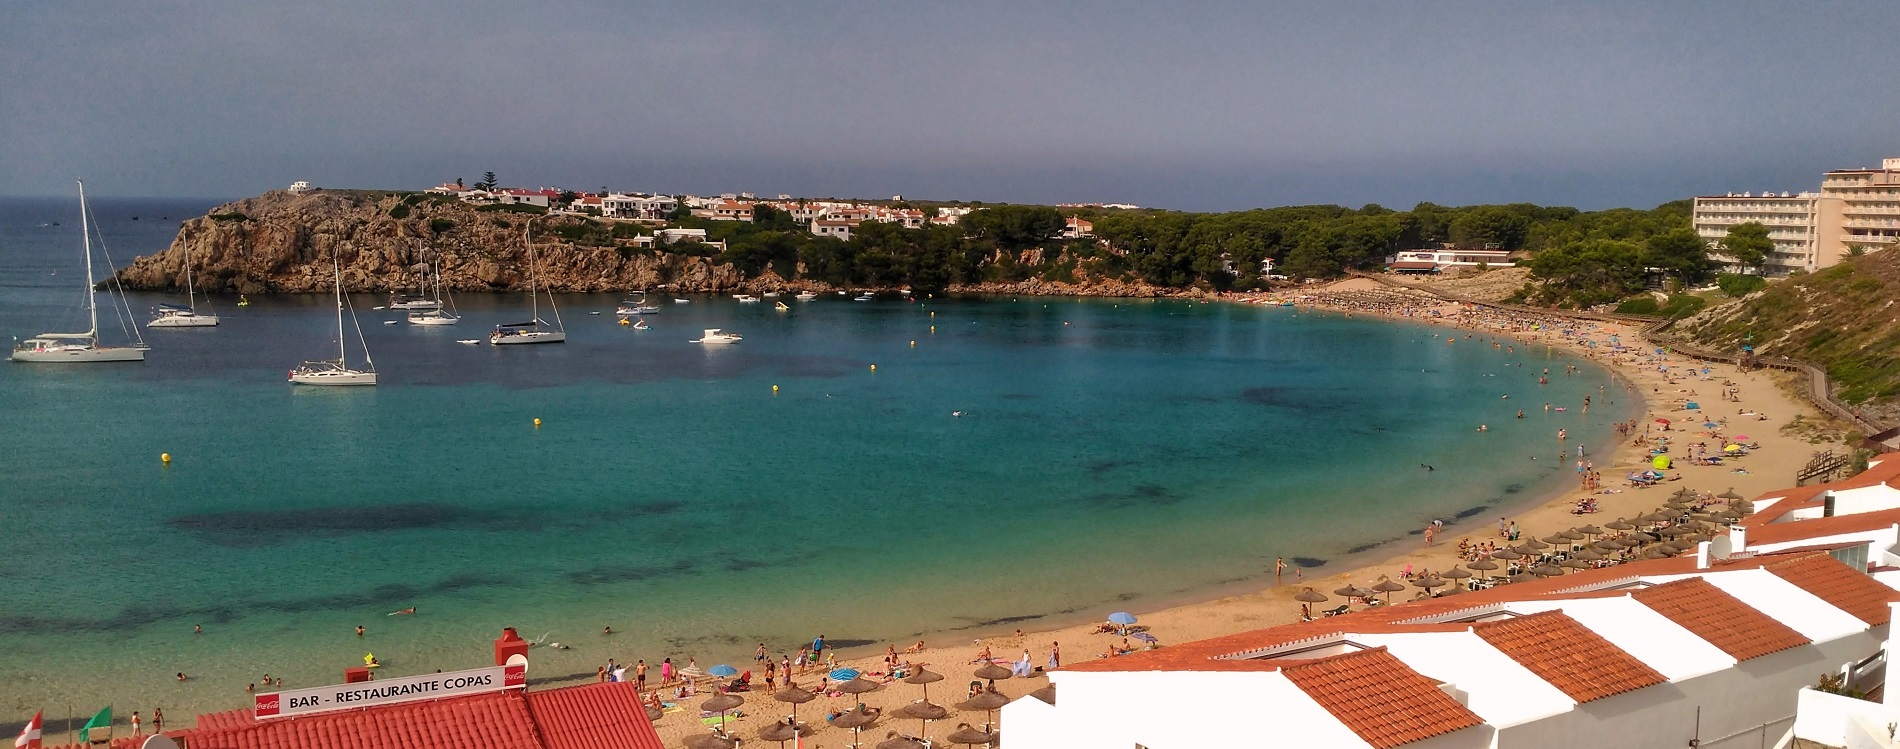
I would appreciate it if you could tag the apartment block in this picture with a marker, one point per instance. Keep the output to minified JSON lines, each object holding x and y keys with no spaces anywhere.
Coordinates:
{"x":1812,"y":230}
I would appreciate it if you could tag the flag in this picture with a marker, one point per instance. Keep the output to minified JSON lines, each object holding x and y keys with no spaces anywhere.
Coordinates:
{"x":29,"y":736}
{"x":102,"y":720}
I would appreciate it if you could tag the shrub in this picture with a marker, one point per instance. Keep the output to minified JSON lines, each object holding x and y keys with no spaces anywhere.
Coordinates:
{"x":232,"y":216}
{"x":399,"y":211}
{"x":512,"y":208}
{"x":1683,"y":305}
{"x":440,"y":225}
{"x":1739,"y":284}
{"x":1640,"y":305}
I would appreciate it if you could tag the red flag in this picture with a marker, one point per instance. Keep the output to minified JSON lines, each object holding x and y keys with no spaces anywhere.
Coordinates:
{"x":30,"y":736}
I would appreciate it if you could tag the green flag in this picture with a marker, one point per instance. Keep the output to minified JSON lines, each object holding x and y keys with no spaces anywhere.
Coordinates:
{"x":102,"y":720}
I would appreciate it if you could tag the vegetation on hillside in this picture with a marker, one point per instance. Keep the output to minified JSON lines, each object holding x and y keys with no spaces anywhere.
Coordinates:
{"x":1843,"y":318}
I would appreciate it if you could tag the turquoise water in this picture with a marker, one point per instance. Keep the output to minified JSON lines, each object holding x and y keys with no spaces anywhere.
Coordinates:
{"x":1111,"y":453}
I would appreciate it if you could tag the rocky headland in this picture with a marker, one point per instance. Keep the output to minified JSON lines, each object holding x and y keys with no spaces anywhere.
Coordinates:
{"x":280,"y":242}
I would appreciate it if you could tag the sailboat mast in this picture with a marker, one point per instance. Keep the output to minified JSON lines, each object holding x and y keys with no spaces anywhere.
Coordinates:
{"x":534,"y":296}
{"x":85,"y":231}
{"x":191,"y":297}
{"x":337,"y":266}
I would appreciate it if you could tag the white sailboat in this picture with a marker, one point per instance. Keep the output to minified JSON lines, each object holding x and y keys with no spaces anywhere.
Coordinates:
{"x":337,"y":371}
{"x":80,"y":347}
{"x":532,"y":331}
{"x":188,"y":316}
{"x":714,"y":336}
{"x":435,"y":315}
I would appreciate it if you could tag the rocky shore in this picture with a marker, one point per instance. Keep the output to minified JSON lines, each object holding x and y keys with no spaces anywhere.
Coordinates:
{"x":283,"y":243}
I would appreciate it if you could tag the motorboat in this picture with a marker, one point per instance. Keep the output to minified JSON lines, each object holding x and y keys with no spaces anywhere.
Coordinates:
{"x":717,"y":336}
{"x":682,"y":301}
{"x":864,"y":297}
{"x":337,"y":372}
{"x":770,"y":295}
{"x":806,"y":296}
{"x":748,"y":299}
{"x":780,"y":306}
{"x":81,"y":347}
{"x":634,"y":307}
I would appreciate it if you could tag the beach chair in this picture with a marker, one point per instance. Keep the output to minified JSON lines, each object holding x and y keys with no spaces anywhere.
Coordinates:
{"x":1341,"y":609}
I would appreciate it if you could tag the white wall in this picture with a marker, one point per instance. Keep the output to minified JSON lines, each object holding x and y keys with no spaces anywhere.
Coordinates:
{"x":1823,"y":717}
{"x":1175,"y":710}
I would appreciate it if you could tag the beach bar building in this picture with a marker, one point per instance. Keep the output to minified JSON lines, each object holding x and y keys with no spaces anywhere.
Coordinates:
{"x":1709,"y":648}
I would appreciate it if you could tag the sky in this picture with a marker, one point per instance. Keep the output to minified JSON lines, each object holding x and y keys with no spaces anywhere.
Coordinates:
{"x":1183,"y":105}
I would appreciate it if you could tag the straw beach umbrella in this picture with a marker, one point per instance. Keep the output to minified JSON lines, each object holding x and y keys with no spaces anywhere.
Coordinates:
{"x":984,"y":702}
{"x":1590,"y":530}
{"x":900,"y":742}
{"x":793,"y":696}
{"x":1619,"y":525}
{"x":1484,"y":565}
{"x":1455,"y":574}
{"x":1545,"y":570}
{"x":1307,"y":598}
{"x":1575,"y":564}
{"x":967,"y":735}
{"x":1533,"y":545}
{"x":709,"y":741}
{"x":654,"y":714}
{"x":721,"y":703}
{"x":924,"y":679}
{"x":992,"y":672}
{"x":922,"y":712}
{"x":1506,"y":554}
{"x":1387,"y":587}
{"x":1046,"y":694}
{"x":855,"y":719}
{"x":857,"y":685}
{"x":783,"y":731}
{"x":1730,"y":494}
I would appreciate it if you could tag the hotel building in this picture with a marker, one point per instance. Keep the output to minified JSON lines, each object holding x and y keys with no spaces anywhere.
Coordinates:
{"x":1812,"y":230}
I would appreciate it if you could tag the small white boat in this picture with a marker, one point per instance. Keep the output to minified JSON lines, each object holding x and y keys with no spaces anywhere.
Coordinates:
{"x":641,"y":324}
{"x":682,"y":301}
{"x":186,"y":315}
{"x":748,"y":299}
{"x":436,"y":315}
{"x":740,"y":296}
{"x":806,"y":296}
{"x":770,"y":295}
{"x":780,"y":306}
{"x":470,"y":341}
{"x":389,"y":322}
{"x":716,"y":336}
{"x":865,"y":297}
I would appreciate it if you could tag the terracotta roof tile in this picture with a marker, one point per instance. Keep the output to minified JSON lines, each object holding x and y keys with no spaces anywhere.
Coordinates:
{"x":1380,"y":698}
{"x":498,"y":720}
{"x":1794,"y":498}
{"x":1796,"y":530}
{"x":1568,"y":655}
{"x":1723,"y":620}
{"x":593,"y":716}
{"x":1841,"y":586}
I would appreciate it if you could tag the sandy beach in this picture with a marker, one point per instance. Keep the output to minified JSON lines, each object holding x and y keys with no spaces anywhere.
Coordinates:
{"x":1754,"y":406}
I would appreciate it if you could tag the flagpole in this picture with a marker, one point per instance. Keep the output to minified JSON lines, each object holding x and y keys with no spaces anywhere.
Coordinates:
{"x":69,"y":723}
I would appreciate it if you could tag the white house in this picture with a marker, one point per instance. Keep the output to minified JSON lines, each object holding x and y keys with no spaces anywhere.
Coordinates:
{"x":1076,"y":227}
{"x":1433,"y":261}
{"x":675,"y":236}
{"x":299,"y":187}
{"x":825,"y":227}
{"x":518,"y":196}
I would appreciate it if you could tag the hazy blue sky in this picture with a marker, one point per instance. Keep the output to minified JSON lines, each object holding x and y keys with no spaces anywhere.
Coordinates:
{"x":1181,"y":105}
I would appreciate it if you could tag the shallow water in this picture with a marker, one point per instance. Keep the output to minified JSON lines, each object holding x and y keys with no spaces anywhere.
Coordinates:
{"x":1111,"y":453}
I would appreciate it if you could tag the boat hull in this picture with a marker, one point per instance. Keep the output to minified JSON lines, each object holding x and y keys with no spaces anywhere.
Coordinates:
{"x":80,"y":355}
{"x":434,"y":320}
{"x":334,"y":379}
{"x":184,"y":321}
{"x":519,"y":339}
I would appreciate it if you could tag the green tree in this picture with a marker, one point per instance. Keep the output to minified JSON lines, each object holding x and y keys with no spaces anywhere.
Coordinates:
{"x":1748,"y":245}
{"x":1490,"y":224}
{"x":1680,"y":253}
{"x":487,"y":183}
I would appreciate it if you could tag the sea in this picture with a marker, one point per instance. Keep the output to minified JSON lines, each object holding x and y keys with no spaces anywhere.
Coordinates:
{"x":876,"y":472}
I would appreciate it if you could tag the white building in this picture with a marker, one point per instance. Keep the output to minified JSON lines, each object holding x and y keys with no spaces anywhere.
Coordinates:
{"x":299,"y":187}
{"x":640,"y":207}
{"x":675,"y":236}
{"x":1435,"y":261}
{"x":825,"y":227}
{"x":1812,"y":230}
{"x":1647,"y":654}
{"x":1076,"y":227}
{"x":517,"y":196}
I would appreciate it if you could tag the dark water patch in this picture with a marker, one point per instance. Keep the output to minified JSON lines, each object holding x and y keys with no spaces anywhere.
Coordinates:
{"x":741,"y":565}
{"x":837,"y":643}
{"x":146,"y":614}
{"x":1514,"y":488}
{"x":254,"y":528}
{"x":1291,"y":398}
{"x":661,"y":507}
{"x":1126,"y":597}
{"x":1363,"y":548}
{"x":561,"y":679}
{"x":1309,"y":561}
{"x":1104,"y":466}
{"x":1142,"y":495}
{"x":626,"y":573}
{"x":1471,"y":512}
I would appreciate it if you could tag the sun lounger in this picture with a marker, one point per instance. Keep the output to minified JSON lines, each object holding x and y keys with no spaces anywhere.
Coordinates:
{"x":1341,"y":609}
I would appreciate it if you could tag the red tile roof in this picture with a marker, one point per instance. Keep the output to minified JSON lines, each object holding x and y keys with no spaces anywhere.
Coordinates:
{"x":1822,"y":527}
{"x":1881,"y":472}
{"x":1843,"y":587}
{"x":497,"y":720}
{"x":1381,"y":699}
{"x":594,"y":716}
{"x":1574,"y":659}
{"x":1723,"y":620}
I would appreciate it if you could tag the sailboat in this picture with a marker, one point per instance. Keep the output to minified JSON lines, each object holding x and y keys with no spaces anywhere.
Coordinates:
{"x":175,"y":316}
{"x":337,"y":371}
{"x":80,"y":347}
{"x":532,"y":331}
{"x":434,"y":315}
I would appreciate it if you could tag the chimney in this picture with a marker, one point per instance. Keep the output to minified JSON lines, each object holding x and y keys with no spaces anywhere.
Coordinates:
{"x":1702,"y":555}
{"x":1738,"y":535}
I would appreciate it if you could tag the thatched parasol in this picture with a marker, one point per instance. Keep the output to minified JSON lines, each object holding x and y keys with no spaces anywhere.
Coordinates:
{"x":967,"y":735}
{"x":923,"y":712}
{"x":709,"y":741}
{"x":924,"y":679}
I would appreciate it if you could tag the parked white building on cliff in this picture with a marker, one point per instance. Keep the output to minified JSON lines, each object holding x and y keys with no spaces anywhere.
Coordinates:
{"x":1812,"y":230}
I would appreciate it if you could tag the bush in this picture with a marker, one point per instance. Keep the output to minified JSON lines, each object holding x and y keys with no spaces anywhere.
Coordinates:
{"x":1683,"y":305}
{"x":512,"y":208}
{"x":440,"y":225}
{"x":232,"y":216}
{"x":400,"y":211}
{"x":1641,"y":305}
{"x":1739,"y":284}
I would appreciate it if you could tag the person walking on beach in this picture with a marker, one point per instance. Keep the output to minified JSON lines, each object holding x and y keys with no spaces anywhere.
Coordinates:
{"x":1279,"y":568}
{"x":666,"y":671}
{"x":759,"y":656}
{"x":136,"y":728}
{"x":640,"y":674}
{"x":1055,"y":655}
{"x":1428,"y":535}
{"x":158,"y":720}
{"x":785,"y":667}
{"x":818,"y":647}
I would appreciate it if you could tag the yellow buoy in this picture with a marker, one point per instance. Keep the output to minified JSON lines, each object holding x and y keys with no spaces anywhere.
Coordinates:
{"x":913,"y":344}
{"x":874,"y":367}
{"x":933,"y":313}
{"x":537,"y":421}
{"x":933,"y":330}
{"x":165,"y":458}
{"x":774,"y":388}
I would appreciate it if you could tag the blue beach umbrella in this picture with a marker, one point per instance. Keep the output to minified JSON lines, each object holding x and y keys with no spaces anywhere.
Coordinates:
{"x":722,"y":670}
{"x":844,"y":674}
{"x":1122,"y":617}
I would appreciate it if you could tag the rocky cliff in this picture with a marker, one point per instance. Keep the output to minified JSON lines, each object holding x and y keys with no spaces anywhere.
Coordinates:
{"x":278,"y":242}
{"x":283,"y":243}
